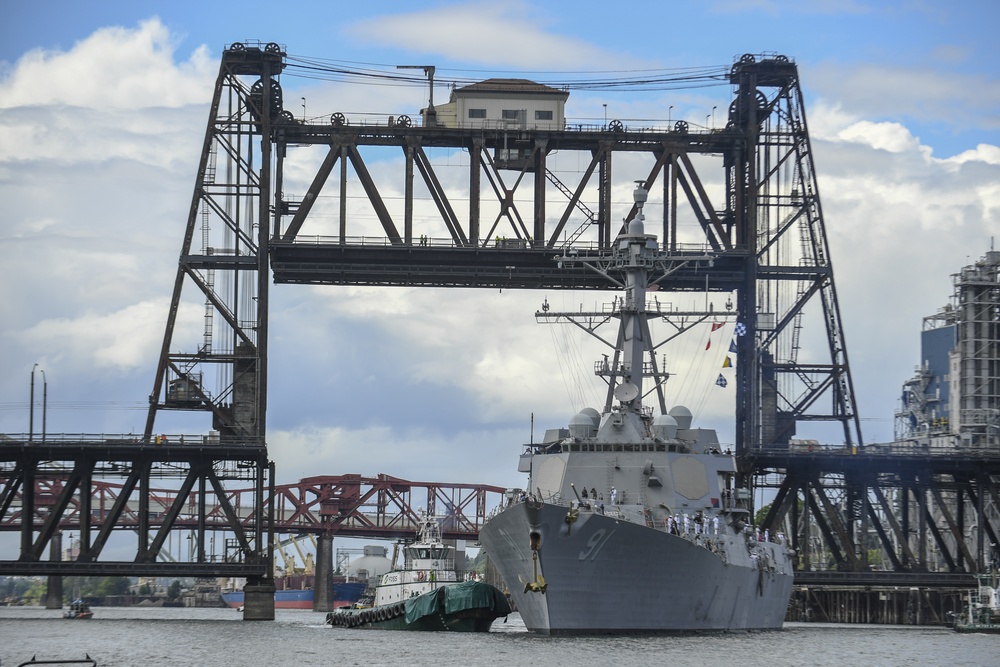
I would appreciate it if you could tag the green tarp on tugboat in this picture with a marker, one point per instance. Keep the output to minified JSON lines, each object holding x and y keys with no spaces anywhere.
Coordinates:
{"x":469,"y":606}
{"x":468,"y":595}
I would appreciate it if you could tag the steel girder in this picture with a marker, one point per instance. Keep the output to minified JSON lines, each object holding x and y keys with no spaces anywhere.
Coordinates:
{"x":66,"y":497}
{"x":924,"y":512}
{"x":59,"y":485}
{"x":764,"y":225}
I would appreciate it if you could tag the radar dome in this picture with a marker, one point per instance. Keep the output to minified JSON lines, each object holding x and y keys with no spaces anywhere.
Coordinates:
{"x":664,"y":426}
{"x":594,"y":414}
{"x":682,"y":415}
{"x":581,"y":425}
{"x":635,"y":227}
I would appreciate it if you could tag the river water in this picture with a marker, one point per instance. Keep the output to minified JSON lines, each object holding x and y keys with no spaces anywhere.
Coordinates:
{"x":152,"y":637}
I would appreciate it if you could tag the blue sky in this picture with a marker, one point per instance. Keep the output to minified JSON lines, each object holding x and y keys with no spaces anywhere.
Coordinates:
{"x":931,"y":64}
{"x":102,"y":112}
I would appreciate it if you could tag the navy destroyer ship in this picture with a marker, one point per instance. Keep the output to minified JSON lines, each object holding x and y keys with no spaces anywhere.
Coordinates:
{"x":632,"y":522}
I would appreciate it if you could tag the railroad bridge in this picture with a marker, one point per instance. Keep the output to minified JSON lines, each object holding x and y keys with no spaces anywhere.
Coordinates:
{"x":745,"y":186}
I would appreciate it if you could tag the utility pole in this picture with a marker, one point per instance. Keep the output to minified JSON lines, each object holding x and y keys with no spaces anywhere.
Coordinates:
{"x":430,"y":118}
{"x":45,"y":401}
{"x":31,"y":406}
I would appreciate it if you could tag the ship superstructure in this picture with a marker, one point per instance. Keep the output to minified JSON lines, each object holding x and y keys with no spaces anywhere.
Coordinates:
{"x":632,"y":522}
{"x":427,"y":564}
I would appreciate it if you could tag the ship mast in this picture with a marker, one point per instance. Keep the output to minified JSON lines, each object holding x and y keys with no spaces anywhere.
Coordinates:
{"x":636,"y":251}
{"x":634,"y":257}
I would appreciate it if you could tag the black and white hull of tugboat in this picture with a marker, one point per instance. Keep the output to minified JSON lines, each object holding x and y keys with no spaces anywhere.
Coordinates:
{"x":426,"y":593}
{"x":469,"y":606}
{"x":606,"y":575}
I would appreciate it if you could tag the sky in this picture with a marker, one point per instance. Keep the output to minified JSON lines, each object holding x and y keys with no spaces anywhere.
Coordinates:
{"x":103,"y":109}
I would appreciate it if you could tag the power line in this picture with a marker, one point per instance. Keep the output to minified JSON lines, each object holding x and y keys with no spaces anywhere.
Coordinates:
{"x":387,"y":75}
{"x":80,"y":405}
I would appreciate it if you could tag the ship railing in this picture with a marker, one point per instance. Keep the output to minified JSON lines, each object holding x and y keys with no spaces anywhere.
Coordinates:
{"x":559,"y":500}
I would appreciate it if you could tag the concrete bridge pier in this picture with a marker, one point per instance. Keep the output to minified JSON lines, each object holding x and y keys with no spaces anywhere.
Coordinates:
{"x":323,"y":582}
{"x":258,"y":600}
{"x":54,"y":588}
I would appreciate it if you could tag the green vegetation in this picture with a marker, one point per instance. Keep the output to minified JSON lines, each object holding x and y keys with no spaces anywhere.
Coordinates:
{"x":31,"y":590}
{"x":85,"y":587}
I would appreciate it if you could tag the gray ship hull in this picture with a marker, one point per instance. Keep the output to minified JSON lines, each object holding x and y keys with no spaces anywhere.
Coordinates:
{"x":604,"y":574}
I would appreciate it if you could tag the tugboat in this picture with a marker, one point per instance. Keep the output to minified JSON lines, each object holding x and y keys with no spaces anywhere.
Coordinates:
{"x":78,"y":610}
{"x":630,"y":522}
{"x":982,"y":611}
{"x":426,"y":593}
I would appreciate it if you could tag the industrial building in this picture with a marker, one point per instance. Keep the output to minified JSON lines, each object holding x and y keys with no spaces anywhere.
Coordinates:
{"x":953,"y":399}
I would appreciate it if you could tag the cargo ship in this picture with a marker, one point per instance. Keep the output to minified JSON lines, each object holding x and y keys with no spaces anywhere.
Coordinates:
{"x":345,"y":594}
{"x":630,"y":522}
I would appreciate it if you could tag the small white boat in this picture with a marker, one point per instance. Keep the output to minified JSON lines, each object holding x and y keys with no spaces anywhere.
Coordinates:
{"x":78,"y":610}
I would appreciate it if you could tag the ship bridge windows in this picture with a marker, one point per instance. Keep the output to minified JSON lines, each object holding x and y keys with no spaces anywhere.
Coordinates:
{"x":619,"y":447}
{"x":428,"y":553}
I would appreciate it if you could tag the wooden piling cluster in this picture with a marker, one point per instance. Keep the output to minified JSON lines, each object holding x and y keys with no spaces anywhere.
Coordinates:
{"x":888,"y":605}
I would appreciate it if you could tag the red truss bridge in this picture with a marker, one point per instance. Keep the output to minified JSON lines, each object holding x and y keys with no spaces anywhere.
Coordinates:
{"x":351,"y":505}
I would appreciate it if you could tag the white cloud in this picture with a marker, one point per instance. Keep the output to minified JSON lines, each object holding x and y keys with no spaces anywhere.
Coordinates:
{"x":900,"y":223}
{"x":984,"y":153}
{"x":460,"y":456}
{"x":892,"y":137}
{"x":510,"y":34}
{"x":114,"y":68}
{"x":125,"y":339}
{"x":95,"y":172}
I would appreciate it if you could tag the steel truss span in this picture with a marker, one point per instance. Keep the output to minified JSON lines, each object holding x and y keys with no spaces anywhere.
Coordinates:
{"x":499,"y":212}
{"x":932,"y":515}
{"x":63,"y":483}
{"x":72,"y":494}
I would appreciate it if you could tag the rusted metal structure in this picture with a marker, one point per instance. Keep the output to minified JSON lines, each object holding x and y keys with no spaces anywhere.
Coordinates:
{"x":379,"y":507}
